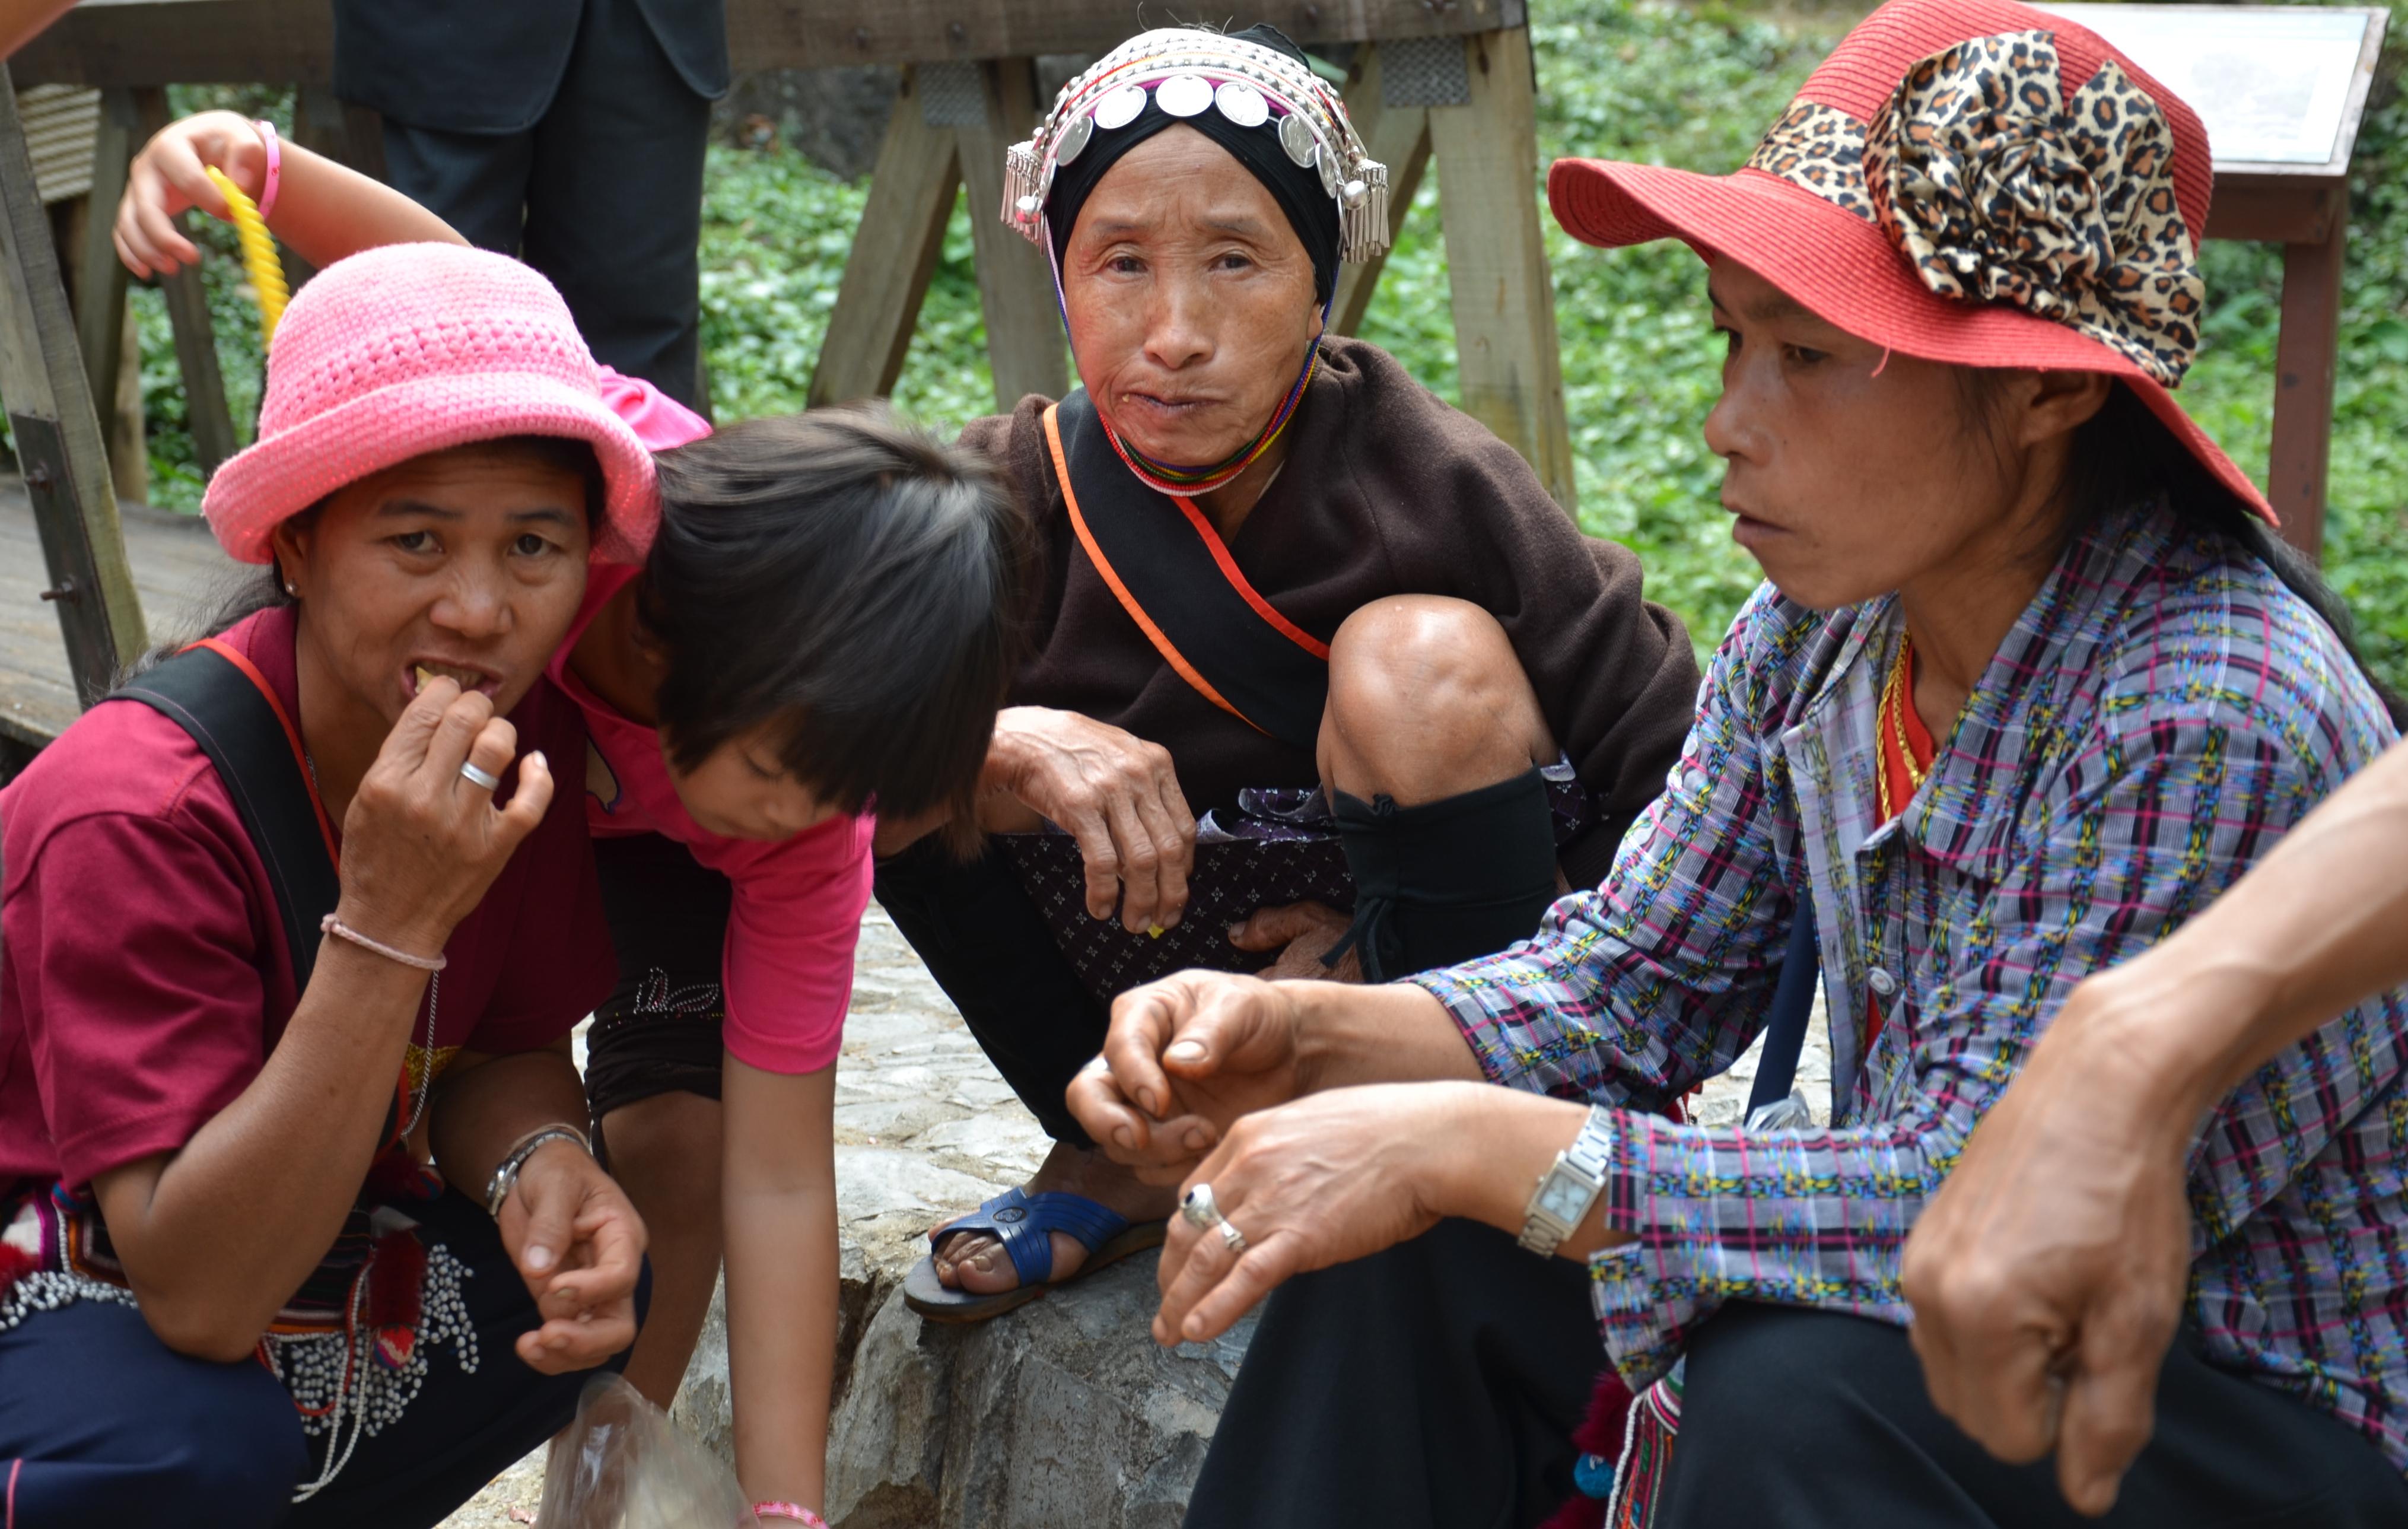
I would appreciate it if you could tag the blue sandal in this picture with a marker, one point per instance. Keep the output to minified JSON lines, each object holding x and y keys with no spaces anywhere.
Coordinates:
{"x":1021,"y":1222}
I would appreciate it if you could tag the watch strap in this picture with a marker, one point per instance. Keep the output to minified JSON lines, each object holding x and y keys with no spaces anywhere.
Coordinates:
{"x":1584,"y":1163}
{"x":506,"y":1173}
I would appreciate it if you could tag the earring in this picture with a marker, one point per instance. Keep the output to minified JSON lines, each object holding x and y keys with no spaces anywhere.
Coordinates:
{"x":289,"y":589}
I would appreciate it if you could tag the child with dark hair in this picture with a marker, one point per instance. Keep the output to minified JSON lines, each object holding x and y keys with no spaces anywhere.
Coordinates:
{"x":816,"y":622}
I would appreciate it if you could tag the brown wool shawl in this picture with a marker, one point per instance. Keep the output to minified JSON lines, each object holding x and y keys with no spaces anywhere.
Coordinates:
{"x":1387,"y":490}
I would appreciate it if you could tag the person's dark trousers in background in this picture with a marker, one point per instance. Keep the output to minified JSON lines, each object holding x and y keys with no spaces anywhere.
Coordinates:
{"x":101,"y":1423}
{"x":568,"y":133}
{"x":989,"y":949}
{"x":1811,"y":1419}
{"x":1437,"y":1384}
{"x":1432,"y":1386}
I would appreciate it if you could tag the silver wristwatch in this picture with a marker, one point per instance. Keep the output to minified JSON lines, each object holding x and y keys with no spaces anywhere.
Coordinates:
{"x":506,"y":1173}
{"x":1568,"y":1189}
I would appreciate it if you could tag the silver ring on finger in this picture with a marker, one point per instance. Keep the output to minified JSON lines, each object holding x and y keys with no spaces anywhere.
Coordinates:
{"x":1200,"y":1209}
{"x":482,"y":779}
{"x":1235,"y":1238}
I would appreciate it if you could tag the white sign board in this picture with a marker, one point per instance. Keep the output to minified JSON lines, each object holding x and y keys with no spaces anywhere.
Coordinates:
{"x":2273,"y":86}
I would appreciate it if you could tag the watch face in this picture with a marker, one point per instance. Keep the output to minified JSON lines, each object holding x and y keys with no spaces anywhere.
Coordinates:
{"x":1565,"y":1198}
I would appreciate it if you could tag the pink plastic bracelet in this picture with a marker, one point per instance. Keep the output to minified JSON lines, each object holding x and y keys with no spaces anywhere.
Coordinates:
{"x":267,"y":189}
{"x":793,"y":1512}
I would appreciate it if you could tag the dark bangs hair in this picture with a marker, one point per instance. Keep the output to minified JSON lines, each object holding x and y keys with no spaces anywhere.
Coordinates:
{"x":2124,"y":455}
{"x":849,"y":580}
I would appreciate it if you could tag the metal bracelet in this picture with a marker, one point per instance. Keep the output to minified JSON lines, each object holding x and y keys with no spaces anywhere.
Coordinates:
{"x":506,"y":1175}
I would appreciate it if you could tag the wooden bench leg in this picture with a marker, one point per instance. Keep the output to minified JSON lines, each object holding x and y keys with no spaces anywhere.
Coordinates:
{"x":1024,"y":324}
{"x":100,"y":276}
{"x":1511,"y":373}
{"x":1398,"y":135}
{"x":2304,"y":352}
{"x":57,"y":432}
{"x":894,"y":252}
{"x":197,"y":340}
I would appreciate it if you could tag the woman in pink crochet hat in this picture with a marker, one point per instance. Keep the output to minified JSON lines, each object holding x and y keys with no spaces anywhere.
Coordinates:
{"x":298,"y":911}
{"x":813,"y":616}
{"x":2029,"y":683}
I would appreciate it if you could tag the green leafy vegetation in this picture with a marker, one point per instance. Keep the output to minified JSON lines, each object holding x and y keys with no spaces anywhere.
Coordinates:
{"x":1684,"y":85}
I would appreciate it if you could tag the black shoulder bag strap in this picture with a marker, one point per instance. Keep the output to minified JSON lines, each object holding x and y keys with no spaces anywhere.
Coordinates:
{"x":1793,"y":1005}
{"x":243,"y":731}
{"x":1169,"y":569}
{"x":216,"y":695}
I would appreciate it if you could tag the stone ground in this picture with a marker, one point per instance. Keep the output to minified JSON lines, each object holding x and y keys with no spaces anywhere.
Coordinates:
{"x":1063,"y":1412}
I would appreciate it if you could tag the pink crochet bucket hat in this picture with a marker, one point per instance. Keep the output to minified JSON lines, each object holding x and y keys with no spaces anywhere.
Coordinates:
{"x":413,"y":348}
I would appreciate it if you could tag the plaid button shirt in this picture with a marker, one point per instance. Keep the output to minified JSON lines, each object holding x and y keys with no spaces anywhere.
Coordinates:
{"x":2159,"y":715}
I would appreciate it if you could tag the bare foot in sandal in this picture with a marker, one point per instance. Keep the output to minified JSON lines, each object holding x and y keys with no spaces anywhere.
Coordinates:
{"x":977,"y":1262}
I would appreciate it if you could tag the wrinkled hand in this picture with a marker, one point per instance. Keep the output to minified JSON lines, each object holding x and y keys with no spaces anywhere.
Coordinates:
{"x":167,"y":177}
{"x":1185,"y":1057}
{"x":1324,"y":1180}
{"x":1301,"y":933}
{"x":1112,"y":791}
{"x":579,"y":1247}
{"x":421,"y":842}
{"x":2049,"y":1272}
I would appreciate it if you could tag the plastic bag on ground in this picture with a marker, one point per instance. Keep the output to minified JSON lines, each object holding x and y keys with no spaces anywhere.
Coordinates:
{"x":622,"y":1464}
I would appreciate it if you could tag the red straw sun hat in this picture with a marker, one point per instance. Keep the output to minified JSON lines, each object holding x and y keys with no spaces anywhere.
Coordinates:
{"x":413,"y":348}
{"x":1970,"y":181}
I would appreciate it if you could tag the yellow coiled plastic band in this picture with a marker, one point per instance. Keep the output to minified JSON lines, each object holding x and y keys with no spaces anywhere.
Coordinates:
{"x":258,"y":254}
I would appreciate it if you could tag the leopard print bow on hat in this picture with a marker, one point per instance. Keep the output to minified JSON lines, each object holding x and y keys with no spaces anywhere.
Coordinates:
{"x":1998,"y":188}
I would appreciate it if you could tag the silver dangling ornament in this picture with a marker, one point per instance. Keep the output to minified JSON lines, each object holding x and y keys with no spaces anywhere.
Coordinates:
{"x":1183,"y":95}
{"x":1074,"y":139}
{"x":1296,"y":137}
{"x":1119,"y":107}
{"x":1241,"y":104}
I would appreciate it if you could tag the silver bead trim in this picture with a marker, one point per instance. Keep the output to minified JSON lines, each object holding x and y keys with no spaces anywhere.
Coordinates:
{"x":1199,"y":70}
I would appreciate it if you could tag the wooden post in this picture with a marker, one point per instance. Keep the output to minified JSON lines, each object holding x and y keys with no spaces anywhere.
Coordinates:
{"x":196,"y":341}
{"x":1024,"y":325}
{"x":129,"y":442}
{"x":100,"y":276}
{"x":1396,"y":133}
{"x":893,"y":253}
{"x":1511,"y":376}
{"x":2304,"y":354}
{"x":57,"y":433}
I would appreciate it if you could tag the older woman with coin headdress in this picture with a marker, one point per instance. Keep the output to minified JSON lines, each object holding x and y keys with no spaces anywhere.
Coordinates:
{"x":1319,"y":677}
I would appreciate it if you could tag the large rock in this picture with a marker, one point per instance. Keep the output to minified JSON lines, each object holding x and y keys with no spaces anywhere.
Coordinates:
{"x":1062,"y":1412}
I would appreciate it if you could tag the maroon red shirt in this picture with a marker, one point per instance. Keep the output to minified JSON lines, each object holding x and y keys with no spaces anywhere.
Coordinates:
{"x":143,"y":969}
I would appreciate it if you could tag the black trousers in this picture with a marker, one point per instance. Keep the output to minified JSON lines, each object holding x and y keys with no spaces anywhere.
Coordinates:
{"x":990,"y":950}
{"x":100,"y":1422}
{"x":1437,"y":1384}
{"x":603,"y":195}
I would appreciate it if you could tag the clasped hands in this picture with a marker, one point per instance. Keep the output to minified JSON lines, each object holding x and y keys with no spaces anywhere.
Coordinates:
{"x":1211,"y":1077}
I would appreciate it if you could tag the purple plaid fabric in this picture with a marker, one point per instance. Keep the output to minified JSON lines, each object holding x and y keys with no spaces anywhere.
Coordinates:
{"x":2161,"y":712}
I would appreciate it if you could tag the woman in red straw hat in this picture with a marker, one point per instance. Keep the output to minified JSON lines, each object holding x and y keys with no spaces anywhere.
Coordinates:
{"x":299,"y":908}
{"x":2030,"y":685}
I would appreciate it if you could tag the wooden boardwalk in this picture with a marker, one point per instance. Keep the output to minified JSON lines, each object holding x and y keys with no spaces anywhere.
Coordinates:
{"x":177,"y":570}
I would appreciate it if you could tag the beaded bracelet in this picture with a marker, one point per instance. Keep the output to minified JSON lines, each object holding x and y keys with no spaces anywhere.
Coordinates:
{"x":332,"y":924}
{"x":793,"y":1512}
{"x":275,"y":177}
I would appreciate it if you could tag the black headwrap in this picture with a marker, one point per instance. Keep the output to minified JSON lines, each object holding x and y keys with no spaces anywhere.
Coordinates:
{"x":1310,"y":210}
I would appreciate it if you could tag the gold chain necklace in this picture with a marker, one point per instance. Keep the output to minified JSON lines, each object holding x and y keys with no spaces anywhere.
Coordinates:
{"x":1891,"y":719}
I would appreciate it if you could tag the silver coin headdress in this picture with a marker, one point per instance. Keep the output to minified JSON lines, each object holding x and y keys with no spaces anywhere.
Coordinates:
{"x":1188,"y":72}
